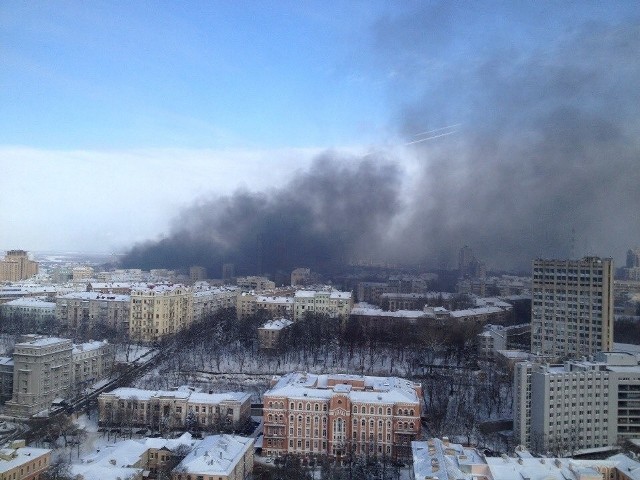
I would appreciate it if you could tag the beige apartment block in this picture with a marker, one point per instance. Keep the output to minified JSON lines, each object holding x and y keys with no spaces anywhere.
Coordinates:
{"x":330,"y":302}
{"x":90,"y":308}
{"x":42,"y":373}
{"x":269,"y":333}
{"x":16,"y":266}
{"x":572,"y":307}
{"x":159,"y":311}
{"x":340,"y":415}
{"x":19,"y":462}
{"x":92,"y":361}
{"x":150,"y":408}
{"x":207,"y":299}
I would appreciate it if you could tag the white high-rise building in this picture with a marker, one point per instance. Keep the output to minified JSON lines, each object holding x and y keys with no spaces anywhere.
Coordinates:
{"x":572,"y":307}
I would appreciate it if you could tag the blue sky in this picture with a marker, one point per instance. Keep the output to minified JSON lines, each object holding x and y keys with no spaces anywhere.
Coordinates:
{"x":196,"y":74}
{"x":115,"y":115}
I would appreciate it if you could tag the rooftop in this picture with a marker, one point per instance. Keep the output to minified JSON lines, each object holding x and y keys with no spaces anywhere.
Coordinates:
{"x":216,"y":455}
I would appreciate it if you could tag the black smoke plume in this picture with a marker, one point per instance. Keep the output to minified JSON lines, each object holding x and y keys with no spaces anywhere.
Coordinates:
{"x":545,"y":158}
{"x":340,"y":207}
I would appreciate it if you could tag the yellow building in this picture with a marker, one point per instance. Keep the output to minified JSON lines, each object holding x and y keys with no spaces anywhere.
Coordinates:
{"x":18,"y":462}
{"x":16,"y":266}
{"x":158,"y":311}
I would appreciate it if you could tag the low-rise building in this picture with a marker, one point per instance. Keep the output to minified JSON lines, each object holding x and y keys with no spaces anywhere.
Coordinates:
{"x":490,"y":340}
{"x":269,"y":333}
{"x":220,"y":457}
{"x":338,"y":415}
{"x":175,"y":408}
{"x":248,"y":303}
{"x":207,"y":299}
{"x":19,"y":462}
{"x":133,"y":459}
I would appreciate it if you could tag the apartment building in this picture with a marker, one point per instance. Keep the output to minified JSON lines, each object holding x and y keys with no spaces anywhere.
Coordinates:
{"x":572,"y":307}
{"x":16,"y":266}
{"x":277,"y":305}
{"x":42,"y":372}
{"x":134,"y":406}
{"x":19,"y":462}
{"x":220,"y":457}
{"x":269,"y":333}
{"x":339,"y":414}
{"x":330,"y":302}
{"x":159,"y":311}
{"x":579,"y":404}
{"x":92,"y":361}
{"x":34,"y":308}
{"x":208,"y":300}
{"x":78,"y":309}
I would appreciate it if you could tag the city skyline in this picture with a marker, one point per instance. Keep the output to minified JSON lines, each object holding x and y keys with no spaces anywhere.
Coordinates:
{"x":511,"y":128}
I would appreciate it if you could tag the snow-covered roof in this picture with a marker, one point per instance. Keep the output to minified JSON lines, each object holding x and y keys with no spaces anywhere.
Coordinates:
{"x":335,"y":294}
{"x":97,"y":296}
{"x":43,"y":342}
{"x":6,"y":361}
{"x":117,"y":461}
{"x":31,"y":302}
{"x":182,"y":394}
{"x":278,"y":324}
{"x":215,"y":455}
{"x":385,"y":390}
{"x":378,"y":312}
{"x":11,"y":458}
{"x":273,"y":299}
{"x":89,"y":346}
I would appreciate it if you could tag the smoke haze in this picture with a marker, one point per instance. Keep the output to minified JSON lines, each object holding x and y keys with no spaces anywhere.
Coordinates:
{"x":544,"y":163}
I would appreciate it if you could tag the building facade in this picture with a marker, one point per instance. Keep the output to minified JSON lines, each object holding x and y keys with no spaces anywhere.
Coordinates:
{"x":92,"y":361}
{"x":16,"y":266}
{"x":338,"y":415}
{"x":572,"y":307}
{"x":269,"y":333}
{"x":159,"y":311}
{"x":255,"y":284}
{"x":42,"y":372}
{"x":329,"y":302}
{"x":19,"y":462}
{"x":175,"y":408}
{"x":33,"y":308}
{"x":79,"y":309}
{"x":577,"y":405}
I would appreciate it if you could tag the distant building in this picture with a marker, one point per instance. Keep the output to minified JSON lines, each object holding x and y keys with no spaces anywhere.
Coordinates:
{"x":572,"y":307}
{"x":42,"y":373}
{"x":16,"y":266}
{"x":228,"y":271}
{"x":339,"y":415}
{"x":220,"y":457}
{"x":134,"y":406}
{"x":117,"y":288}
{"x":277,"y":305}
{"x":491,"y":339}
{"x":300,"y":276}
{"x":197,"y":273}
{"x":269,"y":333}
{"x":159,"y":311}
{"x":80,"y":274}
{"x":19,"y":462}
{"x":255,"y":284}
